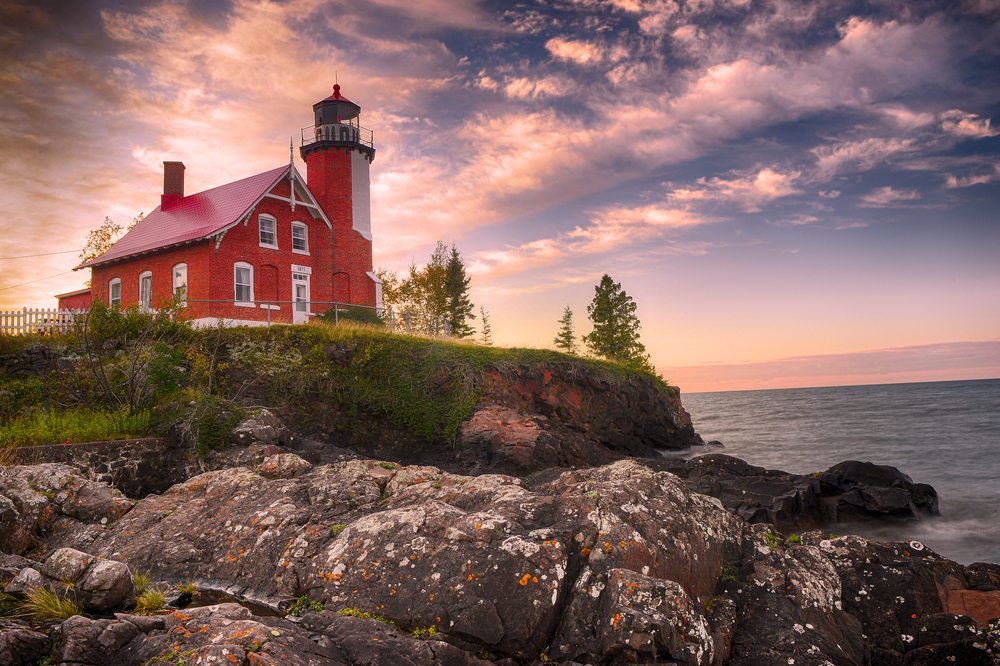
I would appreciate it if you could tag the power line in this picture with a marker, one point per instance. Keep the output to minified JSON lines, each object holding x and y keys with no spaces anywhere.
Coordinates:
{"x":46,"y":254}
{"x":14,"y":286}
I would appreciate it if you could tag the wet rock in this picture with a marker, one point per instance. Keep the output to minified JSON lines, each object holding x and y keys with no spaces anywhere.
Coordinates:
{"x":796,"y":502}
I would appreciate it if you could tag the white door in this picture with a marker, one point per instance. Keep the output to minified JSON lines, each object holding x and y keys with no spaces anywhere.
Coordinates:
{"x":300,"y":292}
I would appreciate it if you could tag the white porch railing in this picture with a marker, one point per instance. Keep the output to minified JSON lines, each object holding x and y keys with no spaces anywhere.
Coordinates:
{"x":37,"y":320}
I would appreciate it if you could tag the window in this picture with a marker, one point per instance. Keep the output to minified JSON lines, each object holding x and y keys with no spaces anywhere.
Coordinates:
{"x":300,"y":238}
{"x":268,"y":231}
{"x":243,"y":279}
{"x":180,"y":282}
{"x":145,"y":291}
{"x":115,"y":293}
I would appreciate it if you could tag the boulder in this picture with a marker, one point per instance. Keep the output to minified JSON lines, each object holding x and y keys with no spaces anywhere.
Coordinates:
{"x":262,"y":428}
{"x":81,"y":640}
{"x":54,"y":505}
{"x":97,"y":584}
{"x":486,"y":561}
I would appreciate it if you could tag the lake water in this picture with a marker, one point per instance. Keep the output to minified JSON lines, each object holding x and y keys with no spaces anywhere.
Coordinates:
{"x":946,"y":434}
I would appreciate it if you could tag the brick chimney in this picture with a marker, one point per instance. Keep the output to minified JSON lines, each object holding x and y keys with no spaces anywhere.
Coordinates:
{"x":173,"y":184}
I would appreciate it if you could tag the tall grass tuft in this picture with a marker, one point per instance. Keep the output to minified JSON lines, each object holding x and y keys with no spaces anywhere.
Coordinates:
{"x":43,"y":604}
{"x":40,"y":427}
{"x":150,"y":602}
{"x":140,"y":581}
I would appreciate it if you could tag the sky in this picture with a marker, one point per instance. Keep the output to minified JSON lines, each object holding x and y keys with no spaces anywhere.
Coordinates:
{"x":793,"y":193}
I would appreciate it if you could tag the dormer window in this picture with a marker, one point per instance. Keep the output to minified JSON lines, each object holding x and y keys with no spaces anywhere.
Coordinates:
{"x":268,"y":231}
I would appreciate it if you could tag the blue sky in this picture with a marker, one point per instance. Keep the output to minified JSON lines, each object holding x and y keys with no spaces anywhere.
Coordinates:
{"x":793,"y":193}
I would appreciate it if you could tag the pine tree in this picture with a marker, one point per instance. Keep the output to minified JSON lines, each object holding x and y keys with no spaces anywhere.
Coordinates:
{"x":566,"y":339}
{"x":486,"y":337}
{"x":616,"y":328}
{"x":457,"y":290}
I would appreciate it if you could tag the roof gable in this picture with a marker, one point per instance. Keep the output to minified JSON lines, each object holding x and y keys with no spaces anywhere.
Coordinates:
{"x":200,"y":215}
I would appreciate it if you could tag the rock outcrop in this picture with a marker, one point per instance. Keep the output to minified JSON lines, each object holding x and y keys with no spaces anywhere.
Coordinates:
{"x":847,"y":491}
{"x":604,"y":565}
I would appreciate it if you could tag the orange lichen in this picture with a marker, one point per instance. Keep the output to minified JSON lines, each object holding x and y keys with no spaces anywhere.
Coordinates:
{"x":525,"y":578}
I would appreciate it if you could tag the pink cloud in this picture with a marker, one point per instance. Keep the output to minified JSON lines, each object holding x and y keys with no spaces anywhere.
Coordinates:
{"x":886,"y":196}
{"x":749,"y":192}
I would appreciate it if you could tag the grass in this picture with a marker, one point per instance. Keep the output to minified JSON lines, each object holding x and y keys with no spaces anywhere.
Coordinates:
{"x":42,"y":604}
{"x":52,"y":427}
{"x":424,"y":385}
{"x":187,"y":587}
{"x":337,"y":529}
{"x":140,"y":581}
{"x":150,"y":602}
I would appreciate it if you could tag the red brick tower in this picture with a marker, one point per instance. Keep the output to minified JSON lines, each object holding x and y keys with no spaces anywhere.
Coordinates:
{"x":338,"y":153}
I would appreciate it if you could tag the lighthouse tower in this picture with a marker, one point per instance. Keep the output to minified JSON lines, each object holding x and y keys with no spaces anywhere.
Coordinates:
{"x":338,"y":153}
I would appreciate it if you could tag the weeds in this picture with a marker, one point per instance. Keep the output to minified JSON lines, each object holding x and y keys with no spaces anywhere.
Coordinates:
{"x":140,"y":581}
{"x":187,"y":587}
{"x":795,"y":538}
{"x":419,"y":632}
{"x":337,"y":529}
{"x":43,"y":604}
{"x":150,"y":602}
{"x":303,"y":604}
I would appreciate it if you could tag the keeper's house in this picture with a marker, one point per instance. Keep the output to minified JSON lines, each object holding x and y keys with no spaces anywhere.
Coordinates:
{"x":272,"y":247}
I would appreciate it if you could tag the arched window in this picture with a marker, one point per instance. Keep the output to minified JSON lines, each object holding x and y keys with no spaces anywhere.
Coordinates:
{"x":268,"y":231}
{"x":300,"y":238}
{"x":180,"y":273}
{"x":145,"y":291}
{"x":115,"y":292}
{"x":243,"y":281}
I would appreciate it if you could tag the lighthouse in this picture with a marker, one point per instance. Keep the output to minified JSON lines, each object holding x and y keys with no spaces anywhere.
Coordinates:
{"x":338,"y":153}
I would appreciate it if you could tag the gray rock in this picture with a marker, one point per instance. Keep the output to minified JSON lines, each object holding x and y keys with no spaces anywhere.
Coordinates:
{"x":283,"y":466}
{"x":20,"y":646}
{"x":81,"y":640}
{"x":25,"y":582}
{"x":263,"y":428}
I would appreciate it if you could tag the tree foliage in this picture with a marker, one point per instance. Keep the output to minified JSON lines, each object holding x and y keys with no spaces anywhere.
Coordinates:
{"x":486,"y":336}
{"x":457,"y":294}
{"x":616,"y":328}
{"x":566,"y":338}
{"x":101,"y":239}
{"x":439,"y":289}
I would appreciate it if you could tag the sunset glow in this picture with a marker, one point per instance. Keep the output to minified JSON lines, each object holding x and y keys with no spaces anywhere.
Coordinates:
{"x":795,"y":194}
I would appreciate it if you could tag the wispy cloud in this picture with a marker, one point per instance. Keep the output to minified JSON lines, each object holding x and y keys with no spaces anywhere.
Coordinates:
{"x":886,"y":196}
{"x":749,"y":192}
{"x":606,"y":232}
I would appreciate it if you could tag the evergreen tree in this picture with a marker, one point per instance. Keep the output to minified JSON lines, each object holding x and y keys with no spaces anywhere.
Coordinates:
{"x":457,"y":290}
{"x":566,"y":339}
{"x":486,"y":337}
{"x":616,"y":328}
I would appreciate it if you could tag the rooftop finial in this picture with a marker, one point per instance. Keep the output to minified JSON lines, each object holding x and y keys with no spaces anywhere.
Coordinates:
{"x":291,"y":151}
{"x":336,"y":91}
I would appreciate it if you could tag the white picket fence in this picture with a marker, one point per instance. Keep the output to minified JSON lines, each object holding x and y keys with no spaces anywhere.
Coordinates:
{"x":37,"y":320}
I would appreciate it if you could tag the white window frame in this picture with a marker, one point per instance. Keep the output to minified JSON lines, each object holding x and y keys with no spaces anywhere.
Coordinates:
{"x":112,"y":301}
{"x":274,"y":231}
{"x":146,"y":306}
{"x":236,"y":285}
{"x":182,"y":268}
{"x":305,"y":228}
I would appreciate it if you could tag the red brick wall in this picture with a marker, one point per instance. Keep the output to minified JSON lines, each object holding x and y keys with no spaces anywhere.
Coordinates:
{"x":329,"y":173}
{"x":78,"y":302}
{"x":211,"y":270}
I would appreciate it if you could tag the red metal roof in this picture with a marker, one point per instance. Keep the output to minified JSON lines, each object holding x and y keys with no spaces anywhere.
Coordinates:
{"x":192,"y":218}
{"x":337,"y":97}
